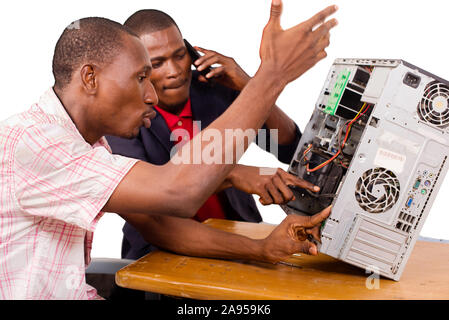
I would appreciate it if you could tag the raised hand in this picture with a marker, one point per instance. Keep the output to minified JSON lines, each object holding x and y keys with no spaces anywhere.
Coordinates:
{"x":287,"y":54}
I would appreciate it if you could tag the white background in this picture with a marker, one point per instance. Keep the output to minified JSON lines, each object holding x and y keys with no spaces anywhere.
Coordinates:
{"x":416,"y":31}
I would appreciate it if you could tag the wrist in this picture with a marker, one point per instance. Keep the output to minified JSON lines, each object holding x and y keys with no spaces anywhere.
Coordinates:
{"x":263,"y":253}
{"x":224,"y":185}
{"x":235,"y":174}
{"x":230,"y":178}
{"x":271,"y":76}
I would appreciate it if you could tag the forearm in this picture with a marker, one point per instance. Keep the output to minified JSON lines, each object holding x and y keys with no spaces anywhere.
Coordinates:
{"x":189,"y":237}
{"x":285,"y":126}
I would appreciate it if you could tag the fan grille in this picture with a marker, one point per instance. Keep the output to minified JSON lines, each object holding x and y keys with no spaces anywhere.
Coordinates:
{"x":434,"y":105}
{"x":377,"y":190}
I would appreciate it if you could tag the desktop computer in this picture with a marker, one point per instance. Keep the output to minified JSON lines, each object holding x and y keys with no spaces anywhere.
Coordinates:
{"x":377,"y":145}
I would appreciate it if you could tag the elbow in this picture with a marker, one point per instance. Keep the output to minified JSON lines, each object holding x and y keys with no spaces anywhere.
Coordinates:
{"x":185,"y":193}
{"x":185,"y":210}
{"x":181,"y":208}
{"x":188,"y":204}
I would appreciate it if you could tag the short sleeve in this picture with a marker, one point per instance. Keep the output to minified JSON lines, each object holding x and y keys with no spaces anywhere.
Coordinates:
{"x":59,"y":175}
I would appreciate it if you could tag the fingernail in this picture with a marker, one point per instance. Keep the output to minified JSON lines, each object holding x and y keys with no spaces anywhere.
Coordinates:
{"x":316,"y":188}
{"x":335,"y":7}
{"x":276,"y":2}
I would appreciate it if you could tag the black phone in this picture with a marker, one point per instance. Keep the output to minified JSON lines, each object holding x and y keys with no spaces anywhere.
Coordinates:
{"x":194,"y":55}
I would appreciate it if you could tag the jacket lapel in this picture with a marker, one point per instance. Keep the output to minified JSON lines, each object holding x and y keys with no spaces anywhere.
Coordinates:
{"x":202,"y":109}
{"x":161,"y":131}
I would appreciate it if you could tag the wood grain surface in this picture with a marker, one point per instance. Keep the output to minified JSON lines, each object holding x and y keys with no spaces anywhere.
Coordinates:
{"x":300,"y":277}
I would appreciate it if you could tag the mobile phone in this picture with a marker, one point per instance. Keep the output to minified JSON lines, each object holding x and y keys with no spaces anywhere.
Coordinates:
{"x":194,"y":55}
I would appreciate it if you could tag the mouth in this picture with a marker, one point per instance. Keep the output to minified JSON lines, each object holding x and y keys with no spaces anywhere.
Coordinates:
{"x":150,"y":114}
{"x":146,"y":119}
{"x":175,"y":85}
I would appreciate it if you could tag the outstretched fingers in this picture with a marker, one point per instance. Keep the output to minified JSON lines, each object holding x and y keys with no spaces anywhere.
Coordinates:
{"x":323,"y":30}
{"x":320,"y":17}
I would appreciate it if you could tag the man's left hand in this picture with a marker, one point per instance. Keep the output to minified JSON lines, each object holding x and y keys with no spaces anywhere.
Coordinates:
{"x":229,"y":73}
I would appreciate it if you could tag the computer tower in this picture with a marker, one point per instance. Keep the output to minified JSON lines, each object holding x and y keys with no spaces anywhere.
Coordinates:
{"x":377,"y":145}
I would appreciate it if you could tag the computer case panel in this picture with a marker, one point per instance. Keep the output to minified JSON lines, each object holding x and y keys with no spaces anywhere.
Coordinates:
{"x":377,"y":145}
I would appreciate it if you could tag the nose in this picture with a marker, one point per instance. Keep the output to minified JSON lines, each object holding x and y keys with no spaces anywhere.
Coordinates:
{"x":174,"y":70}
{"x":150,"y":96}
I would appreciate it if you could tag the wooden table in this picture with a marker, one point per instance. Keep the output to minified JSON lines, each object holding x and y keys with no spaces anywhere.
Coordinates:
{"x":426,"y":275}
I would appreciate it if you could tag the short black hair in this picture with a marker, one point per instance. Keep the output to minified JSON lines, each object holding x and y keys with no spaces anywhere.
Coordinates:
{"x":149,"y":20}
{"x":88,"y":40}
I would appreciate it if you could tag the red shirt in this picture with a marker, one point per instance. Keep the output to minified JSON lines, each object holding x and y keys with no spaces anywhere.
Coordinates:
{"x":212,"y":208}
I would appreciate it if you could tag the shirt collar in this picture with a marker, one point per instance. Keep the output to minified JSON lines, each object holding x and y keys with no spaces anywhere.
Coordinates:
{"x":50,"y":104}
{"x":172,"y":119}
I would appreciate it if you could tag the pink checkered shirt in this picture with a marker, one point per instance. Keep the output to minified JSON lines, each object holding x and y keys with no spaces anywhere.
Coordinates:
{"x":53,"y":187}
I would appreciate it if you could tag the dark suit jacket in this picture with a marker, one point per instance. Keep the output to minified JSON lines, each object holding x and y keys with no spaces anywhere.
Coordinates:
{"x":153,"y":145}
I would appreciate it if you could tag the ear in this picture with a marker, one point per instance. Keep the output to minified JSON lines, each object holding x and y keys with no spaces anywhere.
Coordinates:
{"x":89,"y":78}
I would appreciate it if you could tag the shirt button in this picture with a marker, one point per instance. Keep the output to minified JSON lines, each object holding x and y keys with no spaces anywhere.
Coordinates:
{"x":179,"y":123}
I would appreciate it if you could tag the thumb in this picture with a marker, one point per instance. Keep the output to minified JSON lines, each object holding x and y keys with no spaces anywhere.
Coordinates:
{"x":275,"y":12}
{"x":307,"y":247}
{"x":312,"y":221}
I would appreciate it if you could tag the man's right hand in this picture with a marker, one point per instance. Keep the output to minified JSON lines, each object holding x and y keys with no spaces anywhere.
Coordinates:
{"x":283,"y":241}
{"x":272,"y":187}
{"x":287,"y":54}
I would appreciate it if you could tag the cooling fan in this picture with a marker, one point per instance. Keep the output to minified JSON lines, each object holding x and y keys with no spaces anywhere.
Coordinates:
{"x":434,"y":105}
{"x":377,"y":190}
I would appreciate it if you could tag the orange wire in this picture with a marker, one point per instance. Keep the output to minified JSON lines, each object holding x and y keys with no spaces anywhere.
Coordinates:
{"x":359,"y":114}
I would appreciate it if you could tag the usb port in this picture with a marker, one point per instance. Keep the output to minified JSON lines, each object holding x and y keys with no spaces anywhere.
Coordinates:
{"x":409,"y":202}
{"x":417,"y":183}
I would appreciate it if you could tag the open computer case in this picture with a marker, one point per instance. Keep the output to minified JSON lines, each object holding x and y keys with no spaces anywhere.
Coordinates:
{"x":377,"y":145}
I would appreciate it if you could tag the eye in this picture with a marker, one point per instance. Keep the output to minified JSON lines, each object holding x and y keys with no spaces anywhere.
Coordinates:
{"x":156,"y":64}
{"x":180,"y":56}
{"x":142,"y":77}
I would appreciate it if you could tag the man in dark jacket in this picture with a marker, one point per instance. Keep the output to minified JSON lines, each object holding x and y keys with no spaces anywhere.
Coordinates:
{"x":187,"y":98}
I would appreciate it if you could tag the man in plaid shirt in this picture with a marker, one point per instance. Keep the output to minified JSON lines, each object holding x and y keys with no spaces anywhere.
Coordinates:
{"x":58,"y":175}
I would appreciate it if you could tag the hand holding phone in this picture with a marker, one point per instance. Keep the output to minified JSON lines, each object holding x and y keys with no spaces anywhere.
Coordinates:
{"x":225,"y":71}
{"x":194,"y":55}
